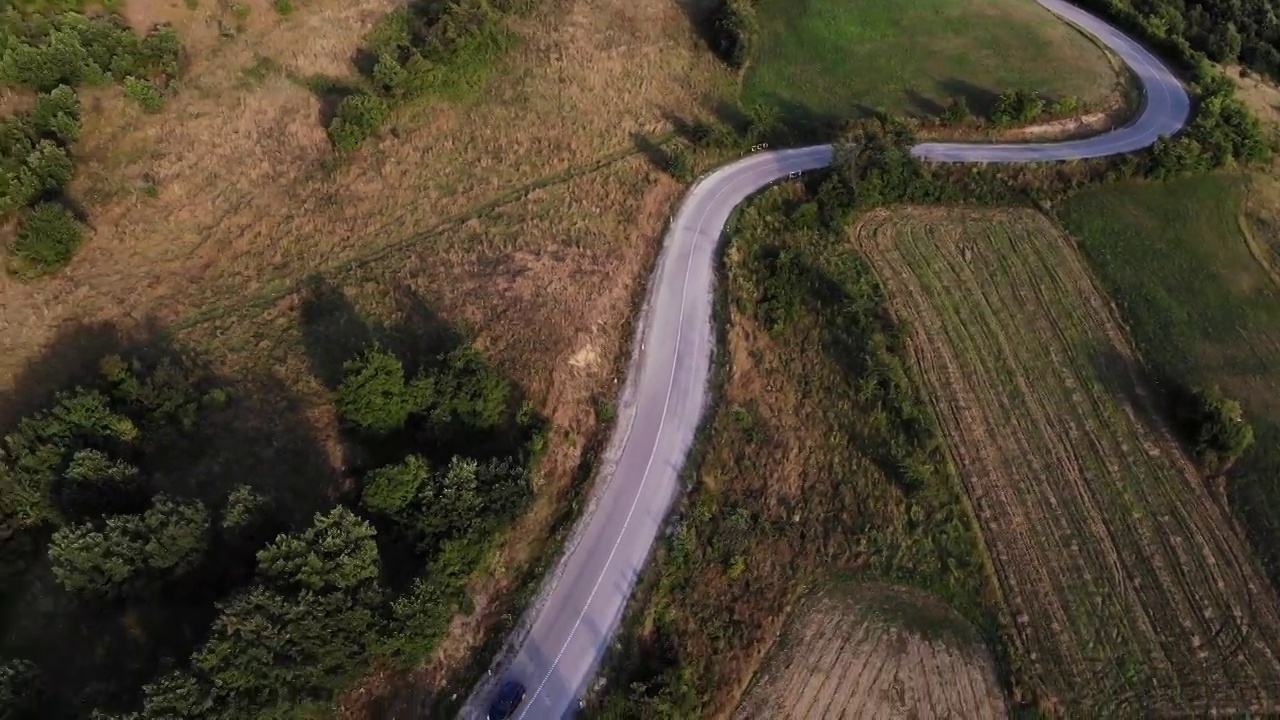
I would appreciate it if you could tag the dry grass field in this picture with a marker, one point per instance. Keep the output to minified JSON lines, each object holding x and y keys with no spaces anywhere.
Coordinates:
{"x":522,"y":218}
{"x":232,"y":191}
{"x":1130,"y":588}
{"x":872,"y":651}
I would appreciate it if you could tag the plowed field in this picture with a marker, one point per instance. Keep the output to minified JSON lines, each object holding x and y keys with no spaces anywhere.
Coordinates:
{"x":1130,"y":589}
{"x":843,"y":656}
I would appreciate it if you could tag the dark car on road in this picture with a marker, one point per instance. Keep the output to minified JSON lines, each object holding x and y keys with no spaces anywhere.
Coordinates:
{"x":509,"y":697}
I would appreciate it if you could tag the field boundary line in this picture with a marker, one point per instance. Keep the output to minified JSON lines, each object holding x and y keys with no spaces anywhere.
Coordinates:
{"x":1256,"y":249}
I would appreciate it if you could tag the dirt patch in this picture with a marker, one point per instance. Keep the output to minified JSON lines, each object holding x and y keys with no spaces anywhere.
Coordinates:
{"x":838,"y":656}
{"x":1130,"y":587}
{"x":1063,"y":129}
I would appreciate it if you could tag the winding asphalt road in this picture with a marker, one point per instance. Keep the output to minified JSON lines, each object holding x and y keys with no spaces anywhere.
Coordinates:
{"x":566,"y":632}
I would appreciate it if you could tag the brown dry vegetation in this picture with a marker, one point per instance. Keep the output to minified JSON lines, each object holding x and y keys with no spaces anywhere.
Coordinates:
{"x":494,"y":217}
{"x":555,"y":318}
{"x":1129,"y":586}
{"x":246,"y":194}
{"x":839,"y":657}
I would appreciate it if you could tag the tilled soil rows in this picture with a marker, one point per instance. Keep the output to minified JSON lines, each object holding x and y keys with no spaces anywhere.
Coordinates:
{"x":1129,"y":588}
{"x":836,"y":659}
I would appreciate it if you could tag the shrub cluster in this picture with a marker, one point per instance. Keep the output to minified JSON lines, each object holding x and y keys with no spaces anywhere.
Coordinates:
{"x":1221,"y":132}
{"x":42,"y":52}
{"x":439,"y":47}
{"x":1214,"y":427}
{"x":51,"y":55}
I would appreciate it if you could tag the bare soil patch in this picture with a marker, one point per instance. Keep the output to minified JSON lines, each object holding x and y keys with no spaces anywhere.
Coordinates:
{"x":872,"y":651}
{"x":1130,"y":587}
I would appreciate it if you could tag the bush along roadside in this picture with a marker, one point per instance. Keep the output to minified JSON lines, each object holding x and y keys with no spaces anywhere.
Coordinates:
{"x":447,"y":48}
{"x":51,"y":56}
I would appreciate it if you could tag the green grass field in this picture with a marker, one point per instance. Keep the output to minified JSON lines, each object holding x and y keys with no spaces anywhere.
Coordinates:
{"x":831,"y":59}
{"x":1200,"y":307}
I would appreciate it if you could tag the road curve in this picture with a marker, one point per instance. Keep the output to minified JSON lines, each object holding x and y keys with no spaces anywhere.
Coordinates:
{"x":566,"y":632}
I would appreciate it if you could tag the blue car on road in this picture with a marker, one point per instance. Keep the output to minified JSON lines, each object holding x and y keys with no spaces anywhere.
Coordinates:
{"x":509,"y":697}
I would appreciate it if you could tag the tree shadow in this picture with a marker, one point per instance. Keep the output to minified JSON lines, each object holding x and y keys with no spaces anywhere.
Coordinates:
{"x":701,"y":17}
{"x":981,"y":101}
{"x":335,"y":331}
{"x":652,"y":151}
{"x":924,"y":106}
{"x":95,"y":653}
{"x":330,"y":91}
{"x":691,"y":131}
{"x":1162,"y":402}
{"x":799,"y":123}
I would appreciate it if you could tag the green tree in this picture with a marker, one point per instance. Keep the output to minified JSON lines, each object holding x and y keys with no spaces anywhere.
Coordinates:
{"x":35,"y":453}
{"x":272,"y":651}
{"x":1017,"y":107}
{"x":50,"y":235}
{"x":470,"y":499}
{"x":419,"y":619}
{"x":130,"y":552}
{"x":21,"y":688}
{"x":957,"y":111}
{"x":96,"y":483}
{"x":875,"y":163}
{"x":246,"y":509}
{"x":144,"y":92}
{"x":50,"y":167}
{"x":359,"y":116}
{"x":1222,"y":434}
{"x":177,"y":695}
{"x":373,"y":395}
{"x":57,"y":114}
{"x":337,"y":552}
{"x":391,"y":491}
{"x":470,"y":391}
{"x":677,"y":164}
